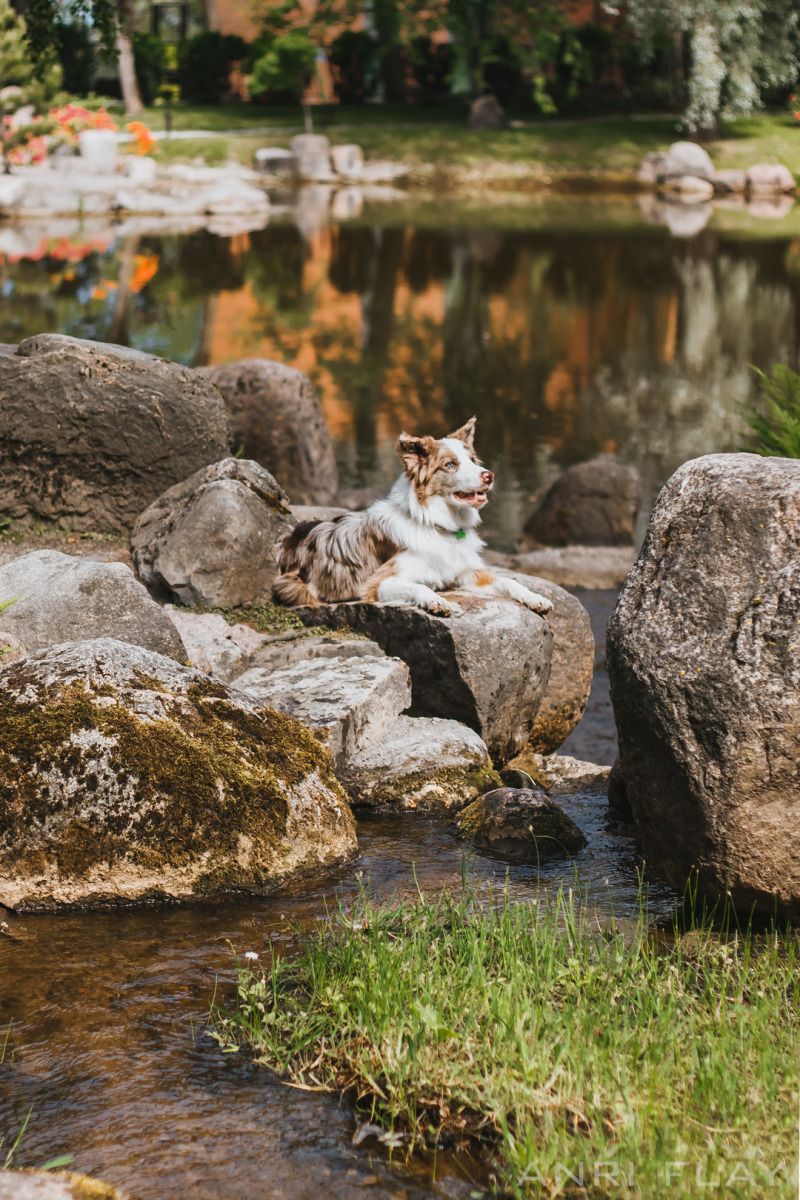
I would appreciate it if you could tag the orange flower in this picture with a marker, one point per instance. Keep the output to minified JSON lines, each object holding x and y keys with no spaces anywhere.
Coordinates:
{"x":143,"y":138}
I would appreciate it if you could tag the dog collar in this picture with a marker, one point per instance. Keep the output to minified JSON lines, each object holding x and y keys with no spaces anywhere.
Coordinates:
{"x":458,"y":534}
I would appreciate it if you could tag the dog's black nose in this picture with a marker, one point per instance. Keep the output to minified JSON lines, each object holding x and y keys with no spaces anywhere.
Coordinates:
{"x":487,"y":477}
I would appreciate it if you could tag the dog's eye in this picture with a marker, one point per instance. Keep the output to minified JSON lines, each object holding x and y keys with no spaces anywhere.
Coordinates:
{"x":451,"y":463}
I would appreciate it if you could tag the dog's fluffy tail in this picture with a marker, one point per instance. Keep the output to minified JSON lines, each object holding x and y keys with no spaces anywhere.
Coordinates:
{"x":291,"y":586}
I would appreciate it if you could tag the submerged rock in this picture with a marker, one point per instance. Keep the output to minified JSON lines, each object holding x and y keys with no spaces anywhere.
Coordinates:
{"x":561,"y":773}
{"x":487,"y":668}
{"x":91,"y":433}
{"x":420,"y":763}
{"x":54,"y":1185}
{"x":65,"y":599}
{"x":521,"y":824}
{"x":703,"y":659}
{"x":210,"y":540}
{"x":126,"y":777}
{"x":277,"y":419}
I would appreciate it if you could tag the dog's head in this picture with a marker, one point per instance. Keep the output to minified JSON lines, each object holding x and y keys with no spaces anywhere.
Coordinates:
{"x":447,"y":468}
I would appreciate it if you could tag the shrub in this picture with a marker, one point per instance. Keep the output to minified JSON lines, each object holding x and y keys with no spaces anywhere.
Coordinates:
{"x":205,"y":63}
{"x":431,"y":66}
{"x":150,"y":61}
{"x":777,"y":430}
{"x":284,"y":68}
{"x":353,"y":58}
{"x":37,"y":83}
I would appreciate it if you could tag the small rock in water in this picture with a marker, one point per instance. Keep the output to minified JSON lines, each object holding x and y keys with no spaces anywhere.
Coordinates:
{"x":521,"y":824}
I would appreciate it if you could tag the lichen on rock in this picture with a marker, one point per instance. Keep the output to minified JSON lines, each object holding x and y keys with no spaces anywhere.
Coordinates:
{"x":124,"y":776}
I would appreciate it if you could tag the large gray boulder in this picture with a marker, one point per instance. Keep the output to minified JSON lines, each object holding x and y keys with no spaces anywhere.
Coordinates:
{"x":58,"y":598}
{"x":312,"y":154}
{"x":704,"y":664}
{"x":277,"y":419}
{"x":210,"y":540}
{"x":769,"y":179}
{"x":124,"y":777}
{"x":487,"y":668}
{"x":90,"y":433}
{"x":593,"y":503}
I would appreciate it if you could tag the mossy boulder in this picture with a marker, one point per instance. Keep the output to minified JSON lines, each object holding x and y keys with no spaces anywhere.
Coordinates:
{"x":126,"y":777}
{"x":421,"y":763}
{"x":521,"y":824}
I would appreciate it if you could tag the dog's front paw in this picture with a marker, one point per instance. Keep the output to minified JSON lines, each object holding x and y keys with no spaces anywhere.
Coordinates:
{"x":537,"y":603}
{"x":444,"y":608}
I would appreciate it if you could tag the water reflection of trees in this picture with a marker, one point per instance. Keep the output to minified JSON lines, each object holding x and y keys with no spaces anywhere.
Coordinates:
{"x":563,"y":342}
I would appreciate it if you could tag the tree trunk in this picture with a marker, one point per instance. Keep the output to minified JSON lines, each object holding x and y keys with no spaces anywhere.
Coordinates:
{"x":127,"y":74}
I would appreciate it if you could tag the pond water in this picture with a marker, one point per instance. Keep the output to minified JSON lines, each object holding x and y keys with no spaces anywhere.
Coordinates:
{"x":569,"y":328}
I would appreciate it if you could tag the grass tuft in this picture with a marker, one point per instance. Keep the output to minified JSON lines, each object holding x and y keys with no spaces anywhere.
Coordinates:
{"x":524,"y":1031}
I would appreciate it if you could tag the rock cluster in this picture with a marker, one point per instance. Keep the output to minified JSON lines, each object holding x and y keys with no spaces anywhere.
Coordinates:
{"x":686,"y":171}
{"x":150,"y":751}
{"x":704,"y":664}
{"x":313,"y":159}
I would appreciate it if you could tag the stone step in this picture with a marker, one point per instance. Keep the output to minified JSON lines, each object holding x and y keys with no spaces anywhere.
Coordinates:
{"x":348,"y":703}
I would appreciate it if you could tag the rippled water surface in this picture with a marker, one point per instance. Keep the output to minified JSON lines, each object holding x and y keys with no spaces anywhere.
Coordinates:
{"x":568,"y":328}
{"x":109,"y":1052}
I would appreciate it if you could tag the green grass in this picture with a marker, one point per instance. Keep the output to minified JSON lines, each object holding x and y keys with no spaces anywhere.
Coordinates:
{"x":549,"y":1041}
{"x":436,"y":144}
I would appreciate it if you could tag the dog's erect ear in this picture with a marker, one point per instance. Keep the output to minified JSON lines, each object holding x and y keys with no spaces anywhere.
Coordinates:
{"x":466,"y":433}
{"x":414,"y":450}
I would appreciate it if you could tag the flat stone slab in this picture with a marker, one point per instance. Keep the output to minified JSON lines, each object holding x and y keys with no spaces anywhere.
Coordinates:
{"x":579,"y":566}
{"x":287,"y":652}
{"x":421,"y":763}
{"x":487,"y":668}
{"x":347,"y":703}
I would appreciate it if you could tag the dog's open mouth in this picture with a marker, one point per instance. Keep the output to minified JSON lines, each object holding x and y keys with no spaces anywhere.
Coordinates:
{"x":477,"y":498}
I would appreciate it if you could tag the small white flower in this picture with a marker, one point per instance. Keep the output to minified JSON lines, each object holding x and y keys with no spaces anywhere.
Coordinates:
{"x":251,"y":955}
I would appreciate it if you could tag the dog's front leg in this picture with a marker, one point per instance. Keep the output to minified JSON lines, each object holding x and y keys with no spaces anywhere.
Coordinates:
{"x":484,"y":583}
{"x":395,"y":590}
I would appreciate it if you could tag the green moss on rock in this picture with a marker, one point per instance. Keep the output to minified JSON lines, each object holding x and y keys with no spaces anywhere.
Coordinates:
{"x":86,"y":780}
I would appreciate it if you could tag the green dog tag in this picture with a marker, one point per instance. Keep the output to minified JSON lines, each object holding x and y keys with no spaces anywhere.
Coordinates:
{"x":460,"y":533}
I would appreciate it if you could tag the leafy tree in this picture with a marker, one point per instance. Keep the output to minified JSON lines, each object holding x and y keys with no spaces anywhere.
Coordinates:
{"x":734,"y":50}
{"x":37,"y":84}
{"x":113,"y":21}
{"x":286,"y":66}
{"x":205,"y":62}
{"x":479,"y":27}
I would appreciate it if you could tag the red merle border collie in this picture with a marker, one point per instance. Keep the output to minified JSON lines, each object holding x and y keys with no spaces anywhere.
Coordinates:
{"x":420,"y":541}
